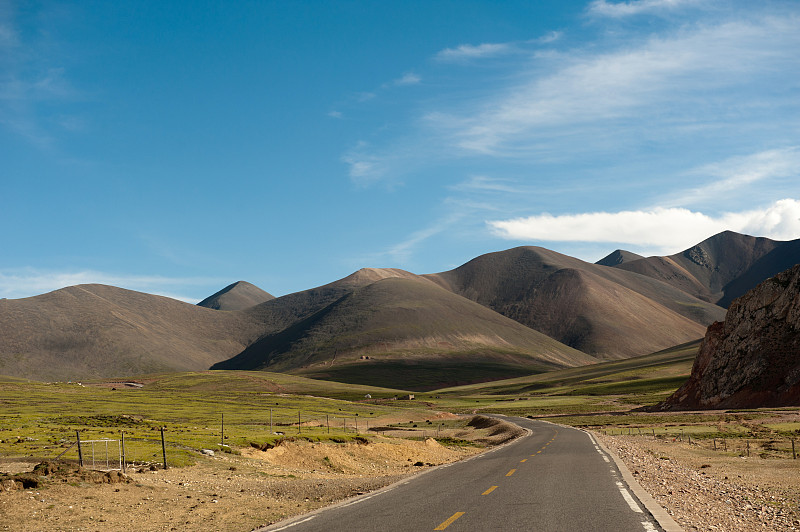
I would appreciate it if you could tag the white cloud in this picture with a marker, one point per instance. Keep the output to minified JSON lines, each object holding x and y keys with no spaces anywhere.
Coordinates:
{"x":469,"y":51}
{"x":624,"y":9}
{"x":409,"y":78}
{"x":553,"y":36}
{"x":335,"y":114}
{"x":30,"y":282}
{"x":666,"y":229}
{"x":363,"y":168}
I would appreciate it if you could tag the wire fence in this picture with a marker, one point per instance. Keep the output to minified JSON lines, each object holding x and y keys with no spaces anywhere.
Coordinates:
{"x":772,"y":446}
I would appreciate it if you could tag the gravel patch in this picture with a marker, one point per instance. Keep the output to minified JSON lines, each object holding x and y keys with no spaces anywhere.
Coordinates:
{"x":707,"y":491}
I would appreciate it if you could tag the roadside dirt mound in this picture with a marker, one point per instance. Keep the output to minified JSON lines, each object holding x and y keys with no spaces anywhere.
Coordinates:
{"x":497,"y":431}
{"x":58,"y":472}
{"x":384,"y":456}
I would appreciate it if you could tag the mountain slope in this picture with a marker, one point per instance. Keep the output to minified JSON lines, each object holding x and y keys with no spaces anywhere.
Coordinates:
{"x":721,"y":267}
{"x":237,"y":296}
{"x":90,"y":331}
{"x":411,"y":330}
{"x":603,"y":311}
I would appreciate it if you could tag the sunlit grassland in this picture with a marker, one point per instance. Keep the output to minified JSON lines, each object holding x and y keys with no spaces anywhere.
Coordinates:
{"x":40,"y":420}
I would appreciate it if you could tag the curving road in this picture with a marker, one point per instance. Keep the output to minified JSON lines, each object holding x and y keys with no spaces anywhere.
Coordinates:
{"x":554,"y":479}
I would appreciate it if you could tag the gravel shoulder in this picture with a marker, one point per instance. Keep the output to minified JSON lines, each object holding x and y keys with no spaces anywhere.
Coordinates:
{"x":705,"y":490}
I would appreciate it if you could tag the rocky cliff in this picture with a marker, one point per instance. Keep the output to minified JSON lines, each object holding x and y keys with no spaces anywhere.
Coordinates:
{"x":753,"y":358}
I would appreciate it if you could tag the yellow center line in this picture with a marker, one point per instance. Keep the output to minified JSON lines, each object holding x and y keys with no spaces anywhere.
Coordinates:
{"x":523,"y":460}
{"x":511,"y":472}
{"x":487,"y":492}
{"x":449,"y":521}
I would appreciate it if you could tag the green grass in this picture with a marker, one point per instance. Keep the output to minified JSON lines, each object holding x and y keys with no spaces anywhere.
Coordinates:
{"x":40,"y":420}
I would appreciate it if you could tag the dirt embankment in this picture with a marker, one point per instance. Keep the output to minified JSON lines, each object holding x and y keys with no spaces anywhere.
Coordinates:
{"x":226,"y":491}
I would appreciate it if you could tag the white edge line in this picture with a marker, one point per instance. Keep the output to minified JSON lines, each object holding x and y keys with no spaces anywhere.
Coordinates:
{"x":627,"y":496}
{"x":295,"y":523}
{"x":664,"y":520}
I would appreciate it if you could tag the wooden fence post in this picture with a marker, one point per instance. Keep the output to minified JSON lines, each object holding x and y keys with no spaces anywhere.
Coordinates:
{"x":794,"y":453}
{"x":123,"y":451}
{"x":163,"y":448}
{"x":221,"y":431}
{"x":80,"y":452}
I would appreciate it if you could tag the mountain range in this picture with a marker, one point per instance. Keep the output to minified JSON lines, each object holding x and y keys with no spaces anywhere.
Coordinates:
{"x":519,"y":311}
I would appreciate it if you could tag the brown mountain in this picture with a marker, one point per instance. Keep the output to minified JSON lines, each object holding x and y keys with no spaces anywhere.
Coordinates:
{"x":618,"y":257}
{"x":237,"y":296}
{"x":402,"y":328}
{"x":90,"y":331}
{"x":603,"y":311}
{"x":720,"y":268}
{"x":753,"y":358}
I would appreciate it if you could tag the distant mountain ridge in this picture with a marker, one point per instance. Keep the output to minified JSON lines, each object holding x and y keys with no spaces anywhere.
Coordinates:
{"x":526,"y":309}
{"x":97,"y":331}
{"x":405,"y":324}
{"x":236,"y":296}
{"x":721,"y":268}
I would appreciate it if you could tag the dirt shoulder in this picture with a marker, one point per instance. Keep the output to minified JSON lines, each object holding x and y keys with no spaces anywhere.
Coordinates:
{"x":705,"y":490}
{"x":223,"y":492}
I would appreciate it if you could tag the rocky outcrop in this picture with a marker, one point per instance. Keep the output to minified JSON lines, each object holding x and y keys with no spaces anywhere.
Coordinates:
{"x":753,"y":358}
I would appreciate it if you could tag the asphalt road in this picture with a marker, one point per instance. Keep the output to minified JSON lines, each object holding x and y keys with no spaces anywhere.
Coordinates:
{"x":555,"y":479}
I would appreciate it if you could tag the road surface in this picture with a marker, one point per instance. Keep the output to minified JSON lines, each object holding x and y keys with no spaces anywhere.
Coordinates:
{"x":554,"y":479}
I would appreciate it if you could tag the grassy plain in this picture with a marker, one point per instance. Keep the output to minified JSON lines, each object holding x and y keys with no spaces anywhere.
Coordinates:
{"x":41,"y":419}
{"x":38,"y":419}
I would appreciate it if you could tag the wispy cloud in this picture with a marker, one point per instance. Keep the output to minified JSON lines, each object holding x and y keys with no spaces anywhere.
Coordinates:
{"x":470,"y":51}
{"x":682,"y":74}
{"x":625,"y":9}
{"x":364,"y":167}
{"x":729,"y":177}
{"x":31,"y":77}
{"x":28,"y":282}
{"x":490,"y":184}
{"x":666,"y":229}
{"x":409,"y":78}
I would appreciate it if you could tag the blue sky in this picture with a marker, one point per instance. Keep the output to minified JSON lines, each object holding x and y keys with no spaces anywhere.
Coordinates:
{"x":175,"y":147}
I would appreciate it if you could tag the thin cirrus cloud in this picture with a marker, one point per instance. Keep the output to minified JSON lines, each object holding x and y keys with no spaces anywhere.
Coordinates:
{"x":779,"y":168}
{"x":625,"y":9}
{"x":23,"y":283}
{"x":666,"y":229}
{"x":468,"y":51}
{"x":409,"y":78}
{"x":685,"y":79}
